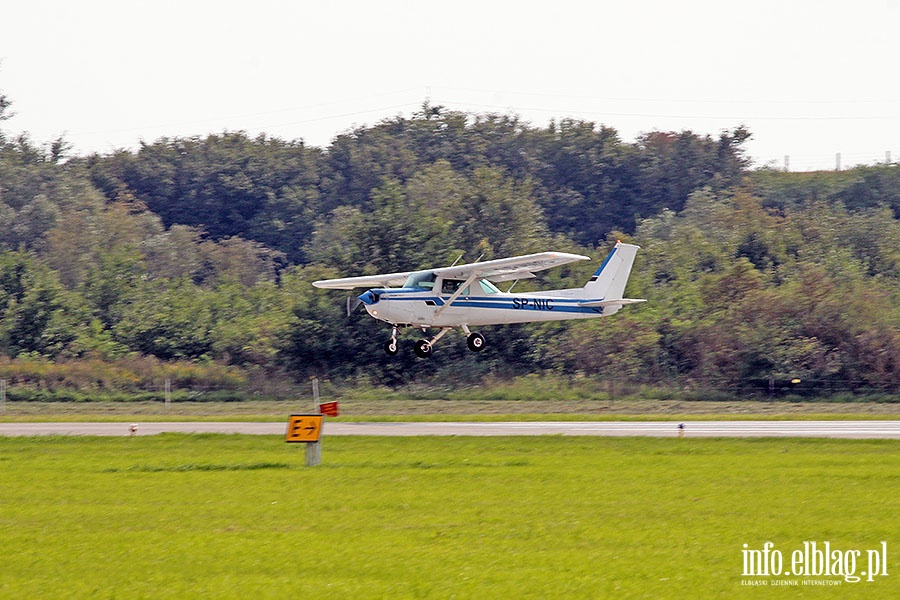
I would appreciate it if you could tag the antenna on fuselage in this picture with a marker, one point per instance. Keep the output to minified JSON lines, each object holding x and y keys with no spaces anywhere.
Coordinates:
{"x":458,"y":258}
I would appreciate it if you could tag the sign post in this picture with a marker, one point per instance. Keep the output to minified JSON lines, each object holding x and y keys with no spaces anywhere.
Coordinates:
{"x":307,"y":429}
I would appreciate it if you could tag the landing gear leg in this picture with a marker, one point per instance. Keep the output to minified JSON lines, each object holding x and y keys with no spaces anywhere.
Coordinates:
{"x":391,"y":347}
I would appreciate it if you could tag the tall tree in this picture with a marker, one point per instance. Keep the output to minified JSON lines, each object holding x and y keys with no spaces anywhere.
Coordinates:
{"x":229,"y":185}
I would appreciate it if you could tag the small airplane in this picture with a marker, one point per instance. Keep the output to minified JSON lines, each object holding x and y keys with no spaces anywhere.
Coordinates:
{"x":464,"y":296}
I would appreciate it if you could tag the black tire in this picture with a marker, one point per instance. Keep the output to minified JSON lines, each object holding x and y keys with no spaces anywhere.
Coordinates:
{"x":391,"y":347}
{"x":423,"y":349}
{"x":475,"y":342}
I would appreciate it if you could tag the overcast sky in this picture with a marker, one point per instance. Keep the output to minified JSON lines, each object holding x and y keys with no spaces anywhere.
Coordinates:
{"x":809,"y":78}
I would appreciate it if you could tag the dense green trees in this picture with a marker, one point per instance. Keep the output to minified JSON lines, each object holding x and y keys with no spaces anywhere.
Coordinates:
{"x":203,"y":249}
{"x":37,"y":315}
{"x":584,"y":178}
{"x":747,"y":295}
{"x":229,"y":185}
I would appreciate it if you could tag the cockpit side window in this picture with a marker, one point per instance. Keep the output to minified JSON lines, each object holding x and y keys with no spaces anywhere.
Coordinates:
{"x":451,"y":285}
{"x":420,"y":279}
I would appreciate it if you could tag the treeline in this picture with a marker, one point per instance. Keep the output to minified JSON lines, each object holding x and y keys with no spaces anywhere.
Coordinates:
{"x":585,"y":181}
{"x":203,"y":250}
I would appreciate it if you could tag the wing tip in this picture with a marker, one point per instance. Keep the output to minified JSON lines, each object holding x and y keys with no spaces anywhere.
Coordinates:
{"x":328,"y":284}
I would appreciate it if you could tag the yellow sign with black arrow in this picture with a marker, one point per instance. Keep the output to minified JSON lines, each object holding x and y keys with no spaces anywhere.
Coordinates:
{"x":304,"y":428}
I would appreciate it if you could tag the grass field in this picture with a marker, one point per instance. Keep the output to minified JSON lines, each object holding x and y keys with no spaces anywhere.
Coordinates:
{"x":227,"y":516}
{"x":453,"y":410}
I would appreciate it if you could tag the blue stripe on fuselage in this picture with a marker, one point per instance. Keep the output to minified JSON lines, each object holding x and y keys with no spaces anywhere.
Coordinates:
{"x":505,"y":302}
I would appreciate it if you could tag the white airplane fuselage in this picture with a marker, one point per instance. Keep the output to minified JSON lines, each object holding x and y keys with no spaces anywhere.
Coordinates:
{"x":424,"y":308}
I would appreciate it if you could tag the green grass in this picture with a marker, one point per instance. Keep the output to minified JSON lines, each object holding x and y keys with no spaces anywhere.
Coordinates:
{"x":227,"y":516}
{"x":353,"y":409}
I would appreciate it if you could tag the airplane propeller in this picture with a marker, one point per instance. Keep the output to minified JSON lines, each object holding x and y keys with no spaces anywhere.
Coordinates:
{"x":353,"y":303}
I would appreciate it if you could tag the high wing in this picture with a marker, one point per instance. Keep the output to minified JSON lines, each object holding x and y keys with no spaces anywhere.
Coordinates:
{"x":501,"y":269}
{"x":507,"y":269}
{"x":369,"y":281}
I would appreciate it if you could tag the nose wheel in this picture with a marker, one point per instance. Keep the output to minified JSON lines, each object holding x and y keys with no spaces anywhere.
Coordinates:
{"x":392,"y":346}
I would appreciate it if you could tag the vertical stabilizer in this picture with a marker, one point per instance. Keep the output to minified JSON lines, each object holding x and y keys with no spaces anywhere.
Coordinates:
{"x":608,"y":283}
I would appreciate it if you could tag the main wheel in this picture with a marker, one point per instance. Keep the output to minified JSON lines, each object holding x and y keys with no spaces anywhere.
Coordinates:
{"x":423,"y":349}
{"x":391,"y":347}
{"x":475,"y":342}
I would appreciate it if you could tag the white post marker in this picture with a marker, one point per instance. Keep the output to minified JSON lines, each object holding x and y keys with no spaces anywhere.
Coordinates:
{"x":314,"y":449}
{"x":314,"y":454}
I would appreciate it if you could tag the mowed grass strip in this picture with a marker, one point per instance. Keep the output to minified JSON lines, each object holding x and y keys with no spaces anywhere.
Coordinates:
{"x":369,"y":409}
{"x":228,"y":516}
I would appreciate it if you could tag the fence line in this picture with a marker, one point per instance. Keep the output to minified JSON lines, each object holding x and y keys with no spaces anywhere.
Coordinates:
{"x":822,"y":162}
{"x":169,"y":392}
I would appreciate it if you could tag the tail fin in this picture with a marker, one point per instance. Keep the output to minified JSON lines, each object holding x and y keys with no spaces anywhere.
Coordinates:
{"x":608,"y":283}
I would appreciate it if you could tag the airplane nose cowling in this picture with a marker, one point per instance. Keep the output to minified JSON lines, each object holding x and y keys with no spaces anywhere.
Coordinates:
{"x":369,"y":298}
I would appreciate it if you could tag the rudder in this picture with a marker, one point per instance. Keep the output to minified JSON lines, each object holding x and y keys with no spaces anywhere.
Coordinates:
{"x":610,"y":279}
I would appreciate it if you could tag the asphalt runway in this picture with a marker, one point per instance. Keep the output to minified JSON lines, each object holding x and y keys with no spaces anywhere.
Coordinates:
{"x":814,"y":429}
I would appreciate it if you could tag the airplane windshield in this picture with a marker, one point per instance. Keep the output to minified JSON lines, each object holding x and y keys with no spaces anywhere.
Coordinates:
{"x":420,"y":279}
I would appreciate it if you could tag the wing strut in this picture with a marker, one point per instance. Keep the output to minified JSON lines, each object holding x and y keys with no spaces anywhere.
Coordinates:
{"x":457,"y":293}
